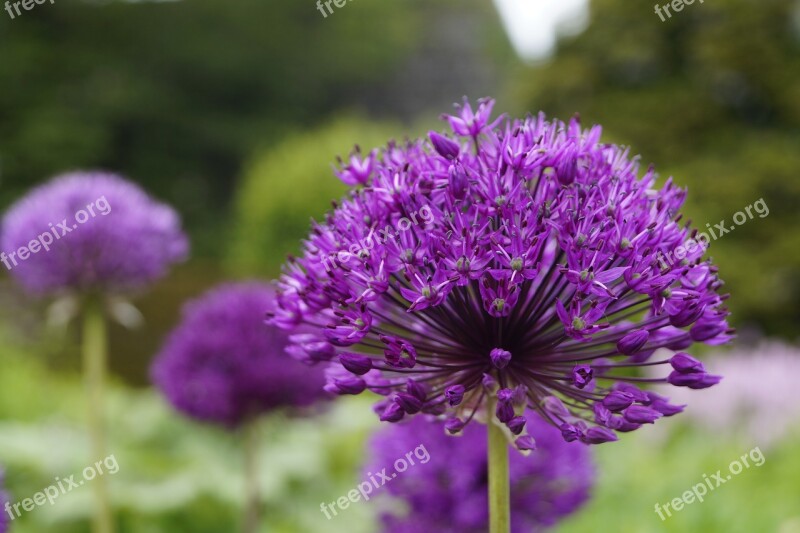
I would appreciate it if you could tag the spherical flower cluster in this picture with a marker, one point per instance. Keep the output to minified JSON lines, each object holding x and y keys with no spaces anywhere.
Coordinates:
{"x":90,"y":232}
{"x":224,"y":365}
{"x":536,"y":280}
{"x":449,"y":492}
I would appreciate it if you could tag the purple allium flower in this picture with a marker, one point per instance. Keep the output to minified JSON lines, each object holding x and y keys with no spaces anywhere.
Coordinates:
{"x":449,"y":492}
{"x":223,"y":364}
{"x":4,"y":499}
{"x":516,"y":255}
{"x":105,"y":235}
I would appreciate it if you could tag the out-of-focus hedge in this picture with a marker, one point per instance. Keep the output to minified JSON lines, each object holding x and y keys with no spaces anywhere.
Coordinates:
{"x":287,"y":185}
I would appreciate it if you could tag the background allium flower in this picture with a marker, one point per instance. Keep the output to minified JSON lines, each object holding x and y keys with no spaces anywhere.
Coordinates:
{"x":760,"y":381}
{"x":535,"y":277}
{"x":448,"y":493}
{"x":3,"y":499}
{"x":223,"y":364}
{"x":131,"y":241}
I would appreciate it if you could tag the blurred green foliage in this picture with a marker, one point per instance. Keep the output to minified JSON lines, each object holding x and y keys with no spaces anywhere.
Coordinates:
{"x":177,"y":94}
{"x":640,"y":471}
{"x":174,"y":475}
{"x":710,"y":96}
{"x":287,"y":185}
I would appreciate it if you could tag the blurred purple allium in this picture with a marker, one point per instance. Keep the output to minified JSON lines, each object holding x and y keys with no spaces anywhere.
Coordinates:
{"x":516,"y":259}
{"x":223,"y":364}
{"x":4,"y":499}
{"x":449,"y":492}
{"x":124,"y":241}
{"x":742,"y":405}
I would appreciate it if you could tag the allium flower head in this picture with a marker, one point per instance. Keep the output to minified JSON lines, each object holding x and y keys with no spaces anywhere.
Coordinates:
{"x":449,"y":492}
{"x":105,"y":235}
{"x":223,"y":364}
{"x":514,"y":261}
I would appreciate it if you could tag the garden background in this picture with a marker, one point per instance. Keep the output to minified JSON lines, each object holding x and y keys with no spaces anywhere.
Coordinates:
{"x":233,"y":112}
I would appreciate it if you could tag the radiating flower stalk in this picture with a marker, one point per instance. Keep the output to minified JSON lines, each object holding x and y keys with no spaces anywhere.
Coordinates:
{"x":223,"y":365}
{"x":499,"y":489}
{"x":536,"y":285}
{"x":100,"y":238}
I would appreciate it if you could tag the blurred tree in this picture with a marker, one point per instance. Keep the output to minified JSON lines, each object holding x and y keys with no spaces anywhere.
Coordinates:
{"x":710,"y":95}
{"x":178,"y":94}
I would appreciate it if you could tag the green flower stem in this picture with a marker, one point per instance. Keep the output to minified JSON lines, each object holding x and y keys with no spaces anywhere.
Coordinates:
{"x":252,"y":515}
{"x":499,"y":502}
{"x":94,"y":369}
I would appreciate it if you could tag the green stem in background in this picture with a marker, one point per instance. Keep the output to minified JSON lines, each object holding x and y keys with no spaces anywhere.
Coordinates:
{"x":252,"y":515}
{"x":499,"y":502}
{"x":94,"y":369}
